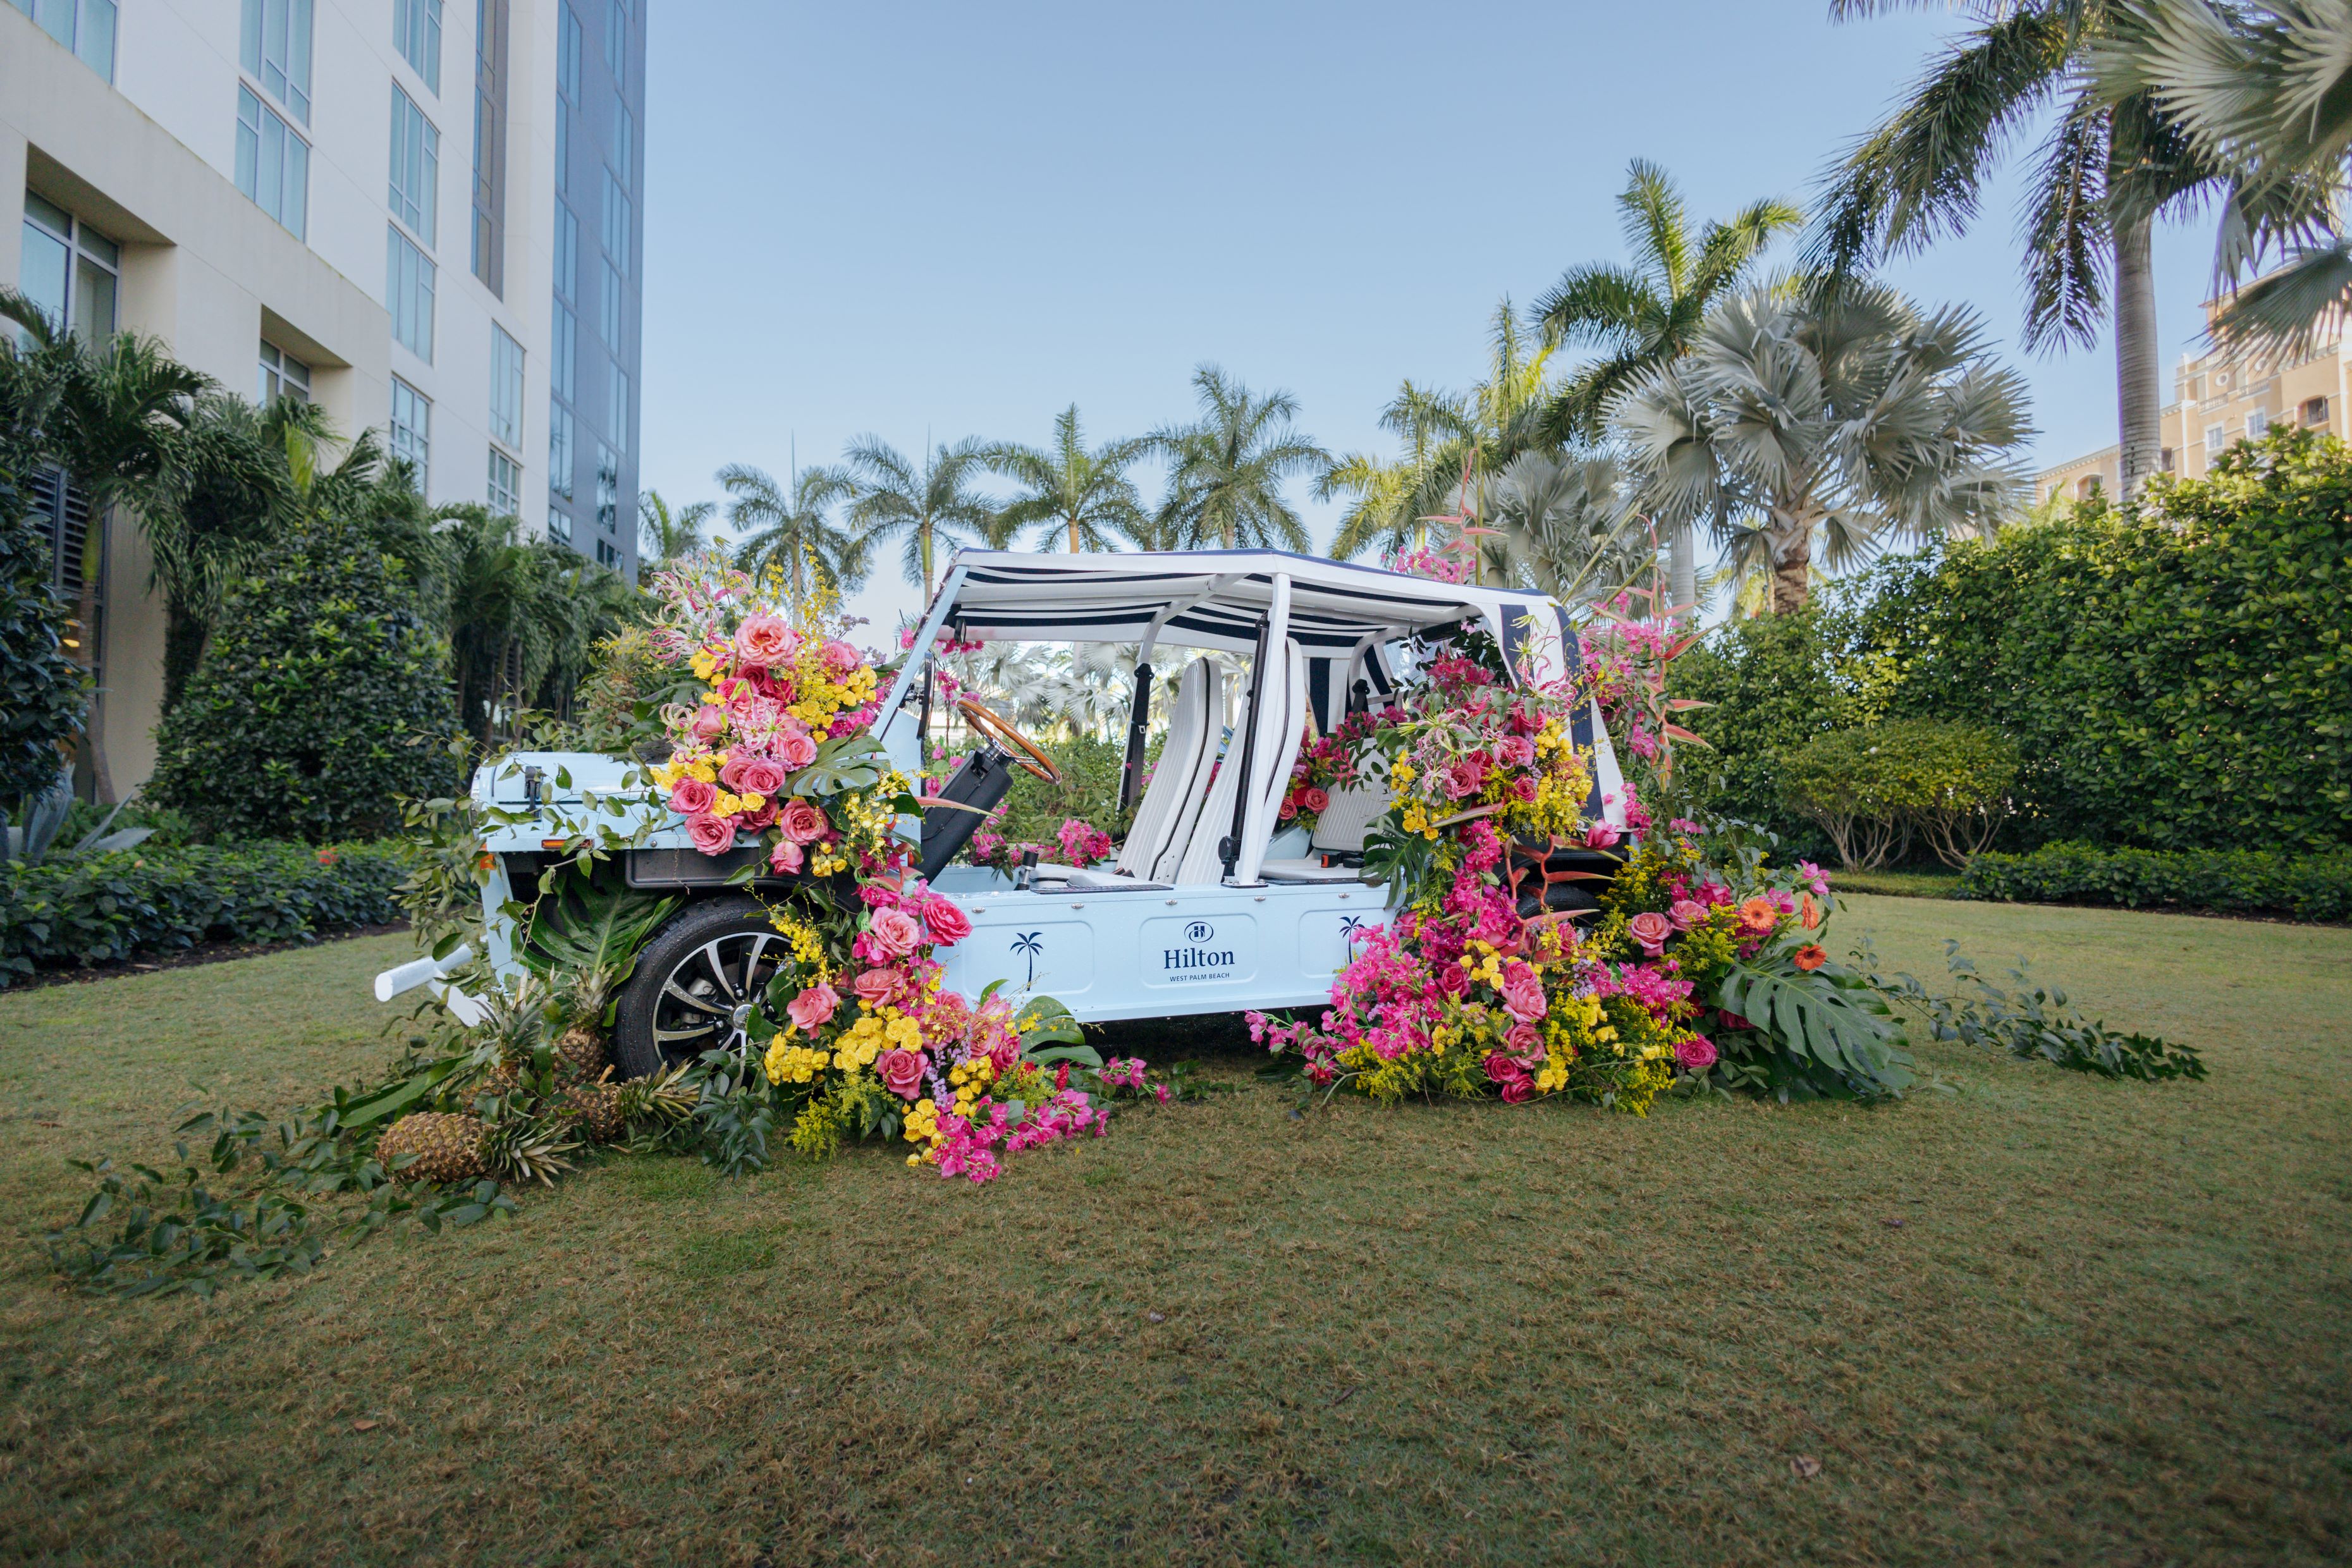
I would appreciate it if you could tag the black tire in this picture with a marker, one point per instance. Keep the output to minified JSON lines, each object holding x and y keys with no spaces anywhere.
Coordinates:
{"x":678,"y":1003}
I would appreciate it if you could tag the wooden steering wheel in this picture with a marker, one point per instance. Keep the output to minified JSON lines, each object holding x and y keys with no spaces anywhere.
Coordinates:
{"x":1024,"y":752}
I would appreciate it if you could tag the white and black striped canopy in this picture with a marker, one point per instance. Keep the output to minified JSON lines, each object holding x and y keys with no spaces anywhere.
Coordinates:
{"x":1221,"y":598}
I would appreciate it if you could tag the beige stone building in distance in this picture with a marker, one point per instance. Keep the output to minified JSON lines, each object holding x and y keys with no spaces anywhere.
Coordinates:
{"x":2217,"y":401}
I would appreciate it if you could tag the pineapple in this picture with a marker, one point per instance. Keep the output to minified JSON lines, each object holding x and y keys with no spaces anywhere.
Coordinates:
{"x":448,"y":1148}
{"x":580,"y":1053}
{"x":595,"y":1110}
{"x":525,"y":1150}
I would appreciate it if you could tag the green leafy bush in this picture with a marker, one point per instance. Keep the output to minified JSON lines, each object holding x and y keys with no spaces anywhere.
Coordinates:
{"x":321,"y":699}
{"x":42,"y":690}
{"x":2242,"y":881}
{"x":103,"y":908}
{"x":1033,"y":809}
{"x":1870,"y":790}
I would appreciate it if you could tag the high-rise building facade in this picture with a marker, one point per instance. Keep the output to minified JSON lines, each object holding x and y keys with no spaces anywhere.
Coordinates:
{"x":425,"y":216}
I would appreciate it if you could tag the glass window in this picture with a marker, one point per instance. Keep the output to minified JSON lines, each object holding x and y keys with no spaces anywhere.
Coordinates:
{"x":506,"y":485}
{"x":567,"y":252}
{"x":505,"y":388}
{"x":558,"y":451}
{"x":415,"y":166}
{"x":564,"y":353}
{"x":2164,"y":460}
{"x":608,"y":555}
{"x":622,"y":150}
{"x":611,"y":304}
{"x":490,"y":23}
{"x":85,"y":26}
{"x":567,"y":55}
{"x":275,"y":50}
{"x":616,"y":224}
{"x":45,"y":266}
{"x":616,"y":413}
{"x":411,"y":429}
{"x":2315,"y":411}
{"x":616,"y":39}
{"x":416,"y":30}
{"x":2216,"y":437}
{"x":409,"y":279}
{"x":562,"y":146}
{"x":558,"y":525}
{"x":282,"y":375}
{"x":608,"y":489}
{"x":70,"y":271}
{"x":273,"y":164}
{"x":2258,"y":424}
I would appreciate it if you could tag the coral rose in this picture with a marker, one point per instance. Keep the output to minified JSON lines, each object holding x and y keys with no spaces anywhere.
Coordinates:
{"x":762,"y":641}
{"x":752,"y":776}
{"x":795,"y":749}
{"x":787,"y":856}
{"x":876,"y":987}
{"x":692,"y":797}
{"x":814,"y":1005}
{"x":1526,"y":1042}
{"x":1315,"y":798}
{"x":1686,"y":913}
{"x":1810,"y":957}
{"x":901,"y":1071}
{"x":1289,"y":808}
{"x":1696,"y":1053}
{"x":840,"y":658}
{"x":1651,"y":929}
{"x":947,"y":920}
{"x":709,"y":723}
{"x":895,"y":933}
{"x":1523,"y":995}
{"x":708,"y":834}
{"x":803,"y":823}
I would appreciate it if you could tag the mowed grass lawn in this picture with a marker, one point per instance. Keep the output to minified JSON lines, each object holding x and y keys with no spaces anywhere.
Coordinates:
{"x":2040,"y":1319}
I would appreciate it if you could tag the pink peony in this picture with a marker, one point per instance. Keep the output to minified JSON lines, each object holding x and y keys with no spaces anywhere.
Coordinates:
{"x":1686,"y":915}
{"x":901,"y":1071}
{"x":803,"y":823}
{"x":1599,"y":835}
{"x":895,"y":931}
{"x":763,"y":641}
{"x":840,"y":658}
{"x":708,"y":834}
{"x":1651,"y":929}
{"x":787,"y":856}
{"x":1315,"y":798}
{"x":709,"y":723}
{"x":947,"y":920}
{"x":1696,"y":1053}
{"x":814,"y":1005}
{"x":692,"y":797}
{"x":1523,"y":995}
{"x":751,"y":775}
{"x":794,"y":750}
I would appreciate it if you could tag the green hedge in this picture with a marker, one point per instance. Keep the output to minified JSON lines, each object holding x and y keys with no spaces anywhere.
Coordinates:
{"x":2249,"y":882}
{"x":103,"y":908}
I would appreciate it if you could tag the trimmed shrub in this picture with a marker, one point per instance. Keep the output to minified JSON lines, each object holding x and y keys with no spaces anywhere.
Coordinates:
{"x":2246,"y":881}
{"x":103,"y":908}
{"x":42,"y":690}
{"x":1871,"y":789}
{"x":321,"y":699}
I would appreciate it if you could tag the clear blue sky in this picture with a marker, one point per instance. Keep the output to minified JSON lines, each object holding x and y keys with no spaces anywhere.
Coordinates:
{"x":960,"y":218}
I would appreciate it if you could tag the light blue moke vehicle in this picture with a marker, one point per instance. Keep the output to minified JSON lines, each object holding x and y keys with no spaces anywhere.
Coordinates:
{"x":1208,"y":907}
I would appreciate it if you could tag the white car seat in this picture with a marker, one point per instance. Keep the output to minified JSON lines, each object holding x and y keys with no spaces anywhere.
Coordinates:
{"x":1194,"y":724}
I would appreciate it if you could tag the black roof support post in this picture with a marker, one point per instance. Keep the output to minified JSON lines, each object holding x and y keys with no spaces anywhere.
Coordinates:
{"x":1139,"y":720}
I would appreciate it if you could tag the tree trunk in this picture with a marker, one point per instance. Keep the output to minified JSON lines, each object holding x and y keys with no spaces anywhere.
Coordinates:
{"x":1682,"y":552}
{"x":1793,"y":567}
{"x":185,"y":635}
{"x":1076,"y":546}
{"x":2138,"y":399}
{"x":923,"y":535}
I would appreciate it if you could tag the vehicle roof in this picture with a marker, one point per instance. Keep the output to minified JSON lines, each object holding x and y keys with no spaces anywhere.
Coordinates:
{"x":1012,"y":596}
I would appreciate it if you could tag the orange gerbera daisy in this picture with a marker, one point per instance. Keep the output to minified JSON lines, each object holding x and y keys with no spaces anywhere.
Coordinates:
{"x":1810,"y":957}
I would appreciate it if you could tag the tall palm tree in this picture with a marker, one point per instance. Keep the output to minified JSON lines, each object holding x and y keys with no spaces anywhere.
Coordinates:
{"x":232,"y":490}
{"x":792,"y":526}
{"x":1075,"y":498}
{"x":671,"y":534}
{"x":2106,"y":170}
{"x":1649,"y":312}
{"x":924,"y":506}
{"x":1227,"y":469}
{"x":1849,"y":417}
{"x":2267,"y":92}
{"x":1564,"y":526}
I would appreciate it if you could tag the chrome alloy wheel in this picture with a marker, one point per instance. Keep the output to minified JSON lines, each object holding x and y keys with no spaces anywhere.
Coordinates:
{"x":707,"y":998}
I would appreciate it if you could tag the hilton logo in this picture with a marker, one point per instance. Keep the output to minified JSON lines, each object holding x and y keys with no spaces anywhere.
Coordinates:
{"x":1193,"y":955}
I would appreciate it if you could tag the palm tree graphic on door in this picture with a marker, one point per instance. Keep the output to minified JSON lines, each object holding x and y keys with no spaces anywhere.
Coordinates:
{"x":1030,"y":943}
{"x":1353,"y":927}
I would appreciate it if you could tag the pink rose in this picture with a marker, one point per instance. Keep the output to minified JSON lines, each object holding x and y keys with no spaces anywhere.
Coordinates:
{"x":1527,"y":1043}
{"x":709,"y":723}
{"x":1523,"y":789}
{"x":895,"y":931}
{"x":1599,"y":835}
{"x":762,"y":641}
{"x":814,"y":1005}
{"x":876,"y":987}
{"x":840,"y":658}
{"x":1314,"y":799}
{"x":1453,"y":979}
{"x":1518,"y":1091}
{"x":901,"y":1071}
{"x":1686,"y":913}
{"x":947,"y":920}
{"x":1502,"y":1070}
{"x":802,"y":823}
{"x":1696,"y":1053}
{"x":708,"y":834}
{"x":1651,"y":929}
{"x":1290,"y":809}
{"x":1523,"y":995}
{"x":752,"y":776}
{"x":1514,"y":752}
{"x":1732,"y":1020}
{"x":692,"y":797}
{"x":787,"y":856}
{"x":795,"y":749}
{"x":755,"y":821}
